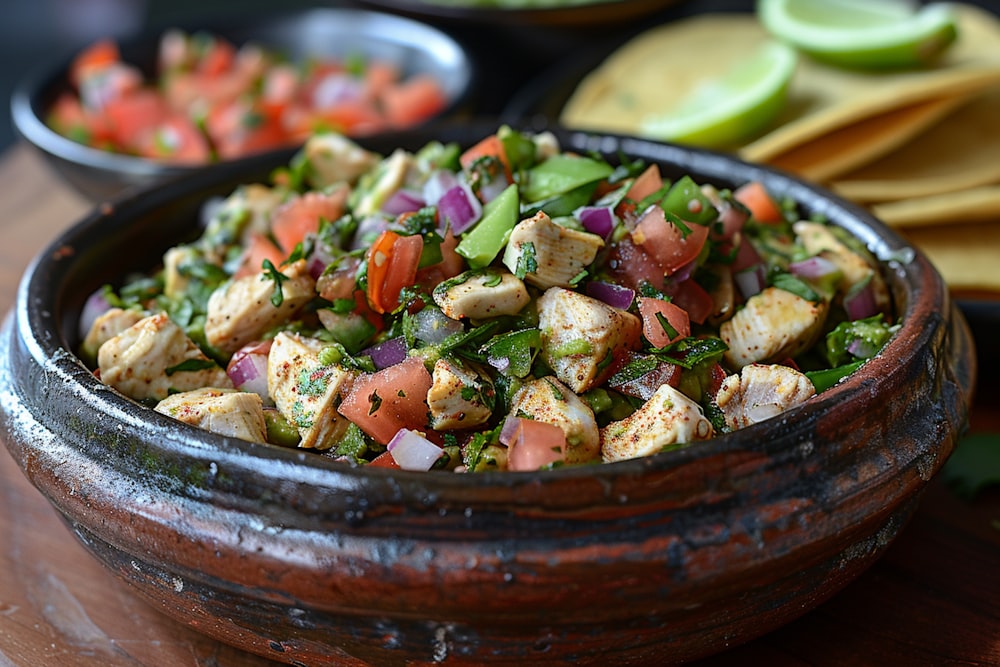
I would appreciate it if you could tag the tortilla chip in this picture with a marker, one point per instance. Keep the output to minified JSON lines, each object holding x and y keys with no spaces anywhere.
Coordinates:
{"x":965,"y":254}
{"x":856,"y":145}
{"x":655,"y":70}
{"x":958,"y":153}
{"x":947,"y":210}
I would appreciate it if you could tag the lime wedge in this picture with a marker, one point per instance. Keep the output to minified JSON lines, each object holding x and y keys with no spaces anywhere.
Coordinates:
{"x":869,"y":34}
{"x":725,"y":111}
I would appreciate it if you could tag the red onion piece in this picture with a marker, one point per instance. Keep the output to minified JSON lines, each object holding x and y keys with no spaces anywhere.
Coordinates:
{"x":403,"y":201}
{"x":861,"y":348}
{"x":750,"y":280}
{"x":387,"y":353}
{"x":616,"y":296}
{"x":598,"y":220}
{"x":746,"y":256}
{"x":860,"y":303}
{"x":509,"y":430}
{"x":433,"y":326}
{"x":412,"y":451}
{"x":813,"y":268}
{"x":95,"y":306}
{"x":248,"y":371}
{"x":459,"y":208}
{"x":491,"y":189}
{"x":437,"y":184}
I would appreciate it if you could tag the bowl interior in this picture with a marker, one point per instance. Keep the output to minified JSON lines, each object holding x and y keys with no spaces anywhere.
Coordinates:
{"x":321,"y":32}
{"x":140,"y":228}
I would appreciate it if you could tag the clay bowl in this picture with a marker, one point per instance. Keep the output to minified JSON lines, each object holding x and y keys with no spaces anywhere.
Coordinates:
{"x":331,"y":32}
{"x":650,"y":561}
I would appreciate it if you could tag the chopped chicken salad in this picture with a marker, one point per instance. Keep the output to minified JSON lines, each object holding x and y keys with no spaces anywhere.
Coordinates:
{"x":502,"y":306}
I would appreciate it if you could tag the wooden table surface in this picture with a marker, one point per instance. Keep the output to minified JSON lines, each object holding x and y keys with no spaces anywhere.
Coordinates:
{"x":933,"y":599}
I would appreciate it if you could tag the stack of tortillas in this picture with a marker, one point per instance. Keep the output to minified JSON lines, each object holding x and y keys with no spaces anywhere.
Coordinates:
{"x":920,"y":148}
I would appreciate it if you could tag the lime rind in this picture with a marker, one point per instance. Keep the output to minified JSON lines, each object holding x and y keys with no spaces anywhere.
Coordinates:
{"x":725,"y":111}
{"x":843,"y":32}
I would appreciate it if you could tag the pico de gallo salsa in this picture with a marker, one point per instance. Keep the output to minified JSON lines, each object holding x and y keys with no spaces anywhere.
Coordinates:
{"x":212,"y":100}
{"x":502,"y":306}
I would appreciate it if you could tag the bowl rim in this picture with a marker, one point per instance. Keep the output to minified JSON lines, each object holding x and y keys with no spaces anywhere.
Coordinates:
{"x":38,"y":322}
{"x":31,"y":91}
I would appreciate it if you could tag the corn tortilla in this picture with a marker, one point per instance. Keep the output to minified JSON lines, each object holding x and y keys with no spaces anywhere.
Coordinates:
{"x":966,"y":254}
{"x":655,"y":70}
{"x":960,"y":152}
{"x":852,"y":146}
{"x":945,"y":210}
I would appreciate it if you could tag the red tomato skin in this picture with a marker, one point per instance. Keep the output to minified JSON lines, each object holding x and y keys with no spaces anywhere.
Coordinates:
{"x":381,"y":403}
{"x":666,"y":242}
{"x":630,"y":265}
{"x":645,"y":184}
{"x":652,"y":328}
{"x":694,"y":299}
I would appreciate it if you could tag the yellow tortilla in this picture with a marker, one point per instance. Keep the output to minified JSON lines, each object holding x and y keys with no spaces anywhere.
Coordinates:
{"x":966,"y":254}
{"x":960,"y":152}
{"x":655,"y":70}
{"x":946,"y":210}
{"x":858,"y":144}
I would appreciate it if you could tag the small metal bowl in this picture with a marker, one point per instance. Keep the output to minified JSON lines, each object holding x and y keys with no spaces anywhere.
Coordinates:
{"x":331,"y":32}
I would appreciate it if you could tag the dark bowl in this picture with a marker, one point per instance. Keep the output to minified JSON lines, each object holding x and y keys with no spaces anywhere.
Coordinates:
{"x":331,"y":32}
{"x":649,"y":561}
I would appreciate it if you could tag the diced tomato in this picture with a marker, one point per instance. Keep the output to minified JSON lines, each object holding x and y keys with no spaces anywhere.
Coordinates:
{"x":258,"y":248}
{"x":134,"y":115}
{"x":392,"y":265}
{"x":294,"y":220}
{"x":631,"y":265}
{"x":676,"y":317}
{"x":176,"y":139}
{"x":489,"y":146}
{"x":671,"y":246}
{"x":412,"y":101}
{"x":385,"y":460}
{"x":379,"y":76}
{"x":534,"y":444}
{"x":362,"y":308}
{"x":645,"y":184}
{"x":95,"y":57}
{"x":393,"y":398}
{"x":759,"y":201}
{"x":646,"y":384}
{"x":694,"y":299}
{"x":217,"y":58}
{"x":69,"y":118}
{"x":241,"y":128}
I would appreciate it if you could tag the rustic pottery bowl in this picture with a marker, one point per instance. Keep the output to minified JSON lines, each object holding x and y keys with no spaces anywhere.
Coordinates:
{"x":651,"y":561}
{"x":329,"y":32}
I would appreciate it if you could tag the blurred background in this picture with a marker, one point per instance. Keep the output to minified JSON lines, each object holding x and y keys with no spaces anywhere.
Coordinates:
{"x":34,"y":32}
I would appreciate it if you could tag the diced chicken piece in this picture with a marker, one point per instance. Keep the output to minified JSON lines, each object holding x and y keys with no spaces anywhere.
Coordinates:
{"x":154,"y":358}
{"x":817,"y":238}
{"x":773,"y":325}
{"x":237,"y":414}
{"x":241,"y":310}
{"x":106,"y":326}
{"x":548,"y":254}
{"x":549,"y":400}
{"x":333,"y":158}
{"x":305,"y":391}
{"x":761,"y":391}
{"x":479,"y":294}
{"x":389,"y":177}
{"x":581,"y":335}
{"x":460,"y":396}
{"x":668,"y":418}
